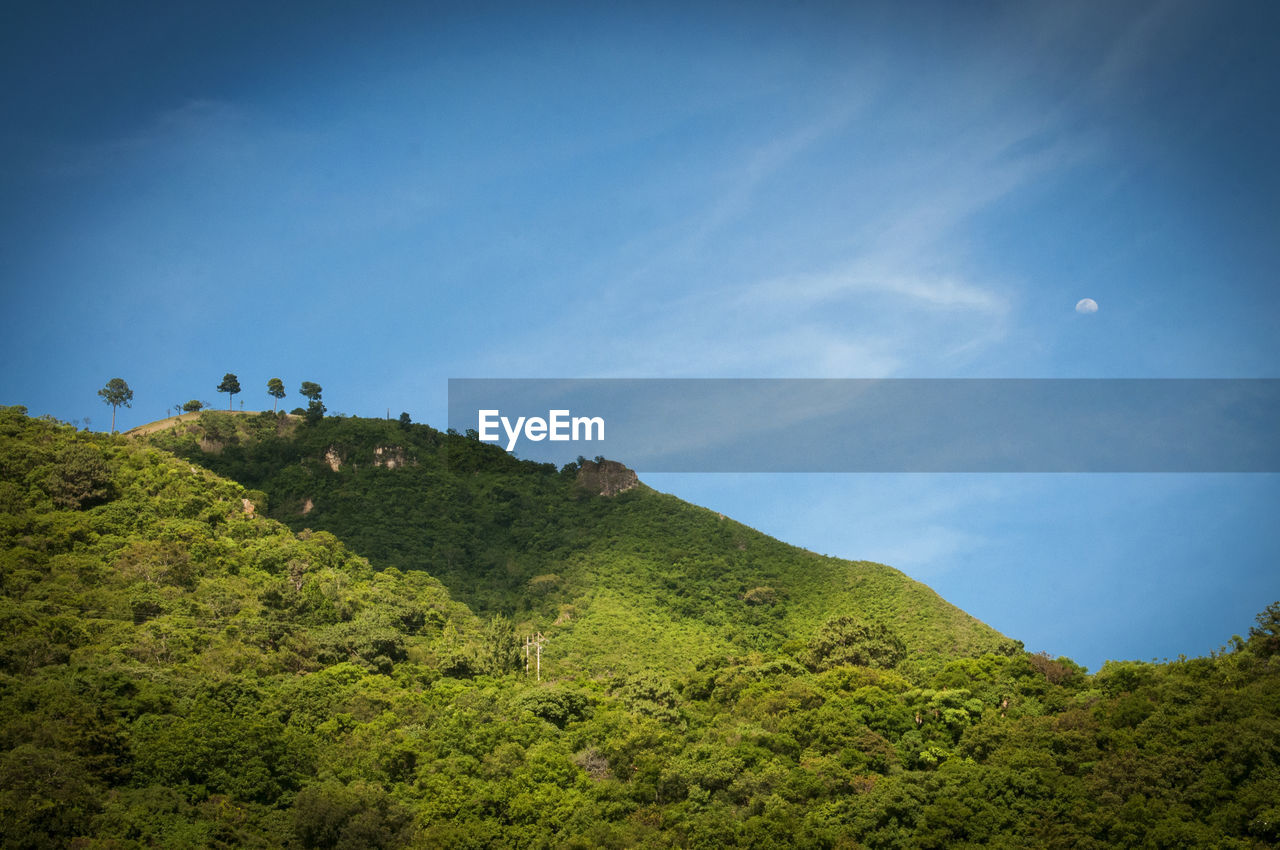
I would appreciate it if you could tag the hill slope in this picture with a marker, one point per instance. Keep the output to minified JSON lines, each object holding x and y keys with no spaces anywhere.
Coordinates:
{"x":177,"y":671}
{"x":634,"y":579}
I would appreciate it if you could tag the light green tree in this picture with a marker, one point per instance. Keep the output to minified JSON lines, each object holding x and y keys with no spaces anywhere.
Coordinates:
{"x":499,"y":647}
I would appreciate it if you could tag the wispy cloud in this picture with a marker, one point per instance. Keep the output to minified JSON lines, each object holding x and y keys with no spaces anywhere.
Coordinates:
{"x":874,"y":277}
{"x":863,"y":278}
{"x":210,"y":127}
{"x":1150,"y":36}
{"x":759,"y":164}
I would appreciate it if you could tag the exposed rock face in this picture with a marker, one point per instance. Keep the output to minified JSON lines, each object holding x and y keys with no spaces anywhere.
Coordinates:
{"x":308,"y":506}
{"x":606,"y":478}
{"x":390,"y":457}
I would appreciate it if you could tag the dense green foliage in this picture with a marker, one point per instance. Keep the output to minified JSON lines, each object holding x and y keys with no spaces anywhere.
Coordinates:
{"x":179,"y":671}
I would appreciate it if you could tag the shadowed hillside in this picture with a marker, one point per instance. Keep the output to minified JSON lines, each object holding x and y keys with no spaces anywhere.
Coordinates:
{"x":636,"y":578}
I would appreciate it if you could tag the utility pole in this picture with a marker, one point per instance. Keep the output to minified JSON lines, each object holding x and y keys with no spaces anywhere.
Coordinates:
{"x":536,"y":642}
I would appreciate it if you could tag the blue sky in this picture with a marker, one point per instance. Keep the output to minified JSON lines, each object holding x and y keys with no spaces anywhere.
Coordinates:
{"x":378,"y":198}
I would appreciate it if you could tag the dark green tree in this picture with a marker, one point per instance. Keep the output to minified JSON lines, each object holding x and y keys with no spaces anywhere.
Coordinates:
{"x":80,"y":477}
{"x":275,"y":389}
{"x":310,"y":390}
{"x":845,"y":640}
{"x":405,"y":421}
{"x":556,"y":705}
{"x":1265,"y":636}
{"x":116,"y":393}
{"x":193,"y":406}
{"x":359,"y":815}
{"x":315,"y":407}
{"x":230,"y":385}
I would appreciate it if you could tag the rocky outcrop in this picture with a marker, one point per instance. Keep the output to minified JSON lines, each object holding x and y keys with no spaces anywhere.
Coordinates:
{"x":606,"y":477}
{"x":391,"y":457}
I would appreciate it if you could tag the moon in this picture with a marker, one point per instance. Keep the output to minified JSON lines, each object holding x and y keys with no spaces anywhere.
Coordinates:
{"x":1086,"y":306}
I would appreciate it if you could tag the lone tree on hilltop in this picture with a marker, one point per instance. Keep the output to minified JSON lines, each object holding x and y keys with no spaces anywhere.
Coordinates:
{"x":275,"y":389}
{"x":230,"y":385}
{"x":315,"y":408}
{"x":116,"y":393}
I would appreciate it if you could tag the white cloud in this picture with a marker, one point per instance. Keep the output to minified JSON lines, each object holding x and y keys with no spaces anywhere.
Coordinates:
{"x":861,"y":279}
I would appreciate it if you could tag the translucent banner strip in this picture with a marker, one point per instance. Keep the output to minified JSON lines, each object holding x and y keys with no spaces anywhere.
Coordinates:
{"x":891,"y":425}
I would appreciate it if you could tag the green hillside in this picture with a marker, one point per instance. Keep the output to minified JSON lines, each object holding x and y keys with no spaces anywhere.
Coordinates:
{"x":179,"y":671}
{"x":636,"y":579}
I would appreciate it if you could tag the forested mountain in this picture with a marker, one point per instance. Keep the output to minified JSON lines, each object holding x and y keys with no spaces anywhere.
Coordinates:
{"x":180,"y":669}
{"x":631,"y":580}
